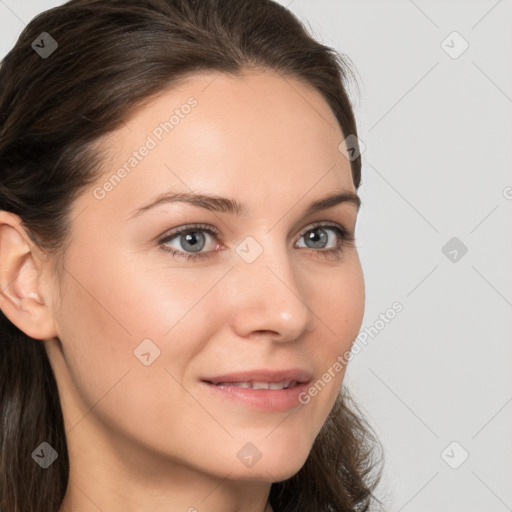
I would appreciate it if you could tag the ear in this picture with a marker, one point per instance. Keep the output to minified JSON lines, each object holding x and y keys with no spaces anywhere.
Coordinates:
{"x":22,"y":297}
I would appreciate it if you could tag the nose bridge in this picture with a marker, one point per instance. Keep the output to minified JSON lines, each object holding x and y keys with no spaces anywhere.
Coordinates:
{"x":268,"y":296}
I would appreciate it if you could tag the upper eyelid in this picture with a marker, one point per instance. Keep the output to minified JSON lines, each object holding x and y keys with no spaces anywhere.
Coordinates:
{"x":206,"y":227}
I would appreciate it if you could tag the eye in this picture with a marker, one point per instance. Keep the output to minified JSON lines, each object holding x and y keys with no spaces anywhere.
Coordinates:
{"x":190,"y":238}
{"x":317,"y":237}
{"x":324,"y":240}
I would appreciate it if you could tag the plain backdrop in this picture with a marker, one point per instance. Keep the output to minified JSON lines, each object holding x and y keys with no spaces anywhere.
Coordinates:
{"x":434,"y":111}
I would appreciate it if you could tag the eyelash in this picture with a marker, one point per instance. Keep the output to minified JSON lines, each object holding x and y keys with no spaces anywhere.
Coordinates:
{"x":346,"y":239}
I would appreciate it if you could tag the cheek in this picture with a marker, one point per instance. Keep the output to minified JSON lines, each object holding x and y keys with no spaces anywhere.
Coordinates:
{"x":340,"y":305}
{"x":105,"y":319}
{"x":114,"y":317}
{"x":339,"y":308}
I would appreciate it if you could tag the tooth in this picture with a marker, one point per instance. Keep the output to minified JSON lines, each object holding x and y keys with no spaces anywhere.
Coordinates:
{"x":235,"y":384}
{"x":260,"y":385}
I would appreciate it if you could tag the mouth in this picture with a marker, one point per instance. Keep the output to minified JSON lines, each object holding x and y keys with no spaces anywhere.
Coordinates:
{"x":257,"y":384}
{"x":261,"y":389}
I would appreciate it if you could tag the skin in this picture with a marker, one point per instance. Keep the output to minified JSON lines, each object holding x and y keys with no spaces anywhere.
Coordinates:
{"x":148,"y":438}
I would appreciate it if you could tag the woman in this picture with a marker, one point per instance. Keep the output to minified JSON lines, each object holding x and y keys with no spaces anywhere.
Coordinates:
{"x":180,"y":281}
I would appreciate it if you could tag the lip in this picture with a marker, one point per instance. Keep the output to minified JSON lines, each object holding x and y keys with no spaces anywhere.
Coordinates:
{"x":262,"y":375}
{"x":261,"y":399}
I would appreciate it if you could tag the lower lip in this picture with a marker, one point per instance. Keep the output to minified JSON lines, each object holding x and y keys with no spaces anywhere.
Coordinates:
{"x":262,"y":399}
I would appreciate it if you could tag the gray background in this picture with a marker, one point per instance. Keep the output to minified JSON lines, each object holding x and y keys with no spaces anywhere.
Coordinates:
{"x":437,"y":127}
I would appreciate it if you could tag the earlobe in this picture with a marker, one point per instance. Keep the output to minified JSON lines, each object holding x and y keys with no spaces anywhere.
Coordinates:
{"x":21,"y":298}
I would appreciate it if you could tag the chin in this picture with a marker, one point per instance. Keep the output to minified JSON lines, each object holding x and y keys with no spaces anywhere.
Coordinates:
{"x":268,"y":473}
{"x":274,"y":466}
{"x":284,"y":471}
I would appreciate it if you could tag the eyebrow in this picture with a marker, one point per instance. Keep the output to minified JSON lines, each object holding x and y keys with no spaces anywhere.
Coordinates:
{"x":225,"y":205}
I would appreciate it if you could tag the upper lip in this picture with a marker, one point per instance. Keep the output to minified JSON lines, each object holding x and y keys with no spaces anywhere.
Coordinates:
{"x":294,"y":374}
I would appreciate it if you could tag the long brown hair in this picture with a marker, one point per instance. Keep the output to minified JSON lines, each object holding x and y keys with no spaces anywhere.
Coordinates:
{"x":106,"y":59}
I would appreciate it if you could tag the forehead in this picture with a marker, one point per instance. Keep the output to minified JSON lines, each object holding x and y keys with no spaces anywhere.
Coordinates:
{"x":247,"y":135}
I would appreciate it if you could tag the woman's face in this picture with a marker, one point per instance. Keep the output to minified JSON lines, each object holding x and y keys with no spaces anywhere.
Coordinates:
{"x":257,"y":295}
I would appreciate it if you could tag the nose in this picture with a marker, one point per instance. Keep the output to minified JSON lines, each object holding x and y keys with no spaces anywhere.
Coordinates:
{"x":268,"y":299}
